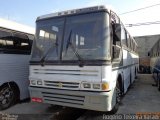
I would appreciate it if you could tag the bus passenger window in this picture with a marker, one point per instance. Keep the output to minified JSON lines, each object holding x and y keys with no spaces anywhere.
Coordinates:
{"x":17,"y":43}
{"x":116,"y":48}
{"x":123,"y":37}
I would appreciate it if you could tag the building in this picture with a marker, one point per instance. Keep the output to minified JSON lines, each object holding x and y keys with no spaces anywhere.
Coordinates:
{"x":145,"y":43}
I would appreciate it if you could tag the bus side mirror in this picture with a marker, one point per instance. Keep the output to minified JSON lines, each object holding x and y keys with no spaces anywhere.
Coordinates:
{"x":117,"y":31}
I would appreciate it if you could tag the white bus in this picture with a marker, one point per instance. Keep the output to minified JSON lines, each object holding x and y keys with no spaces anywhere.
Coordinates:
{"x":155,"y":63}
{"x":15,"y":48}
{"x":82,"y":58}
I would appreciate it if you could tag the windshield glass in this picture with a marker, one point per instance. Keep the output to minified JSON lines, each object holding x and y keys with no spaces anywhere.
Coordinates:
{"x":87,"y":37}
{"x":82,"y":36}
{"x":48,"y":35}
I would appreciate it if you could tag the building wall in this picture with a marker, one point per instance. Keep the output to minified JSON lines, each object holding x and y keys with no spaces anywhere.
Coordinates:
{"x":145,"y":43}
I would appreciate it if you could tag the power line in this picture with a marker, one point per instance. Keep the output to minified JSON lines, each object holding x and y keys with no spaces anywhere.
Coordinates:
{"x":140,"y":9}
{"x":140,"y":24}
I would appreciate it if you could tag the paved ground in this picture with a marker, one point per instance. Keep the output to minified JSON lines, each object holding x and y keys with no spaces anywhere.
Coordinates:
{"x":141,"y":97}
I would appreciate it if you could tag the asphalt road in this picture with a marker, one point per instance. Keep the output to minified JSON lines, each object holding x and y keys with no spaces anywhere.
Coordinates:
{"x":141,"y":97}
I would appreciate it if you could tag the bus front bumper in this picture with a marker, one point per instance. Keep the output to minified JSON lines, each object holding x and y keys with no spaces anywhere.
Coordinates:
{"x":98,"y":101}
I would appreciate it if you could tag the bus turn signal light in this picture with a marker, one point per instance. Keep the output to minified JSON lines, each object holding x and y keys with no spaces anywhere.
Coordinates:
{"x":37,"y":100}
{"x":105,"y":86}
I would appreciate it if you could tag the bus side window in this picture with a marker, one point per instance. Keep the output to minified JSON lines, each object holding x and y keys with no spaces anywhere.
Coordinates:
{"x":16,"y":43}
{"x":123,"y":37}
{"x":21,"y":43}
{"x":2,"y":43}
{"x":116,"y":34}
{"x":5,"y":37}
{"x":128,"y":41}
{"x":116,"y":48}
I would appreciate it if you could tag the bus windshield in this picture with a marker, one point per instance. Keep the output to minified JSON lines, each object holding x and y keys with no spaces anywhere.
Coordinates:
{"x":70,"y":38}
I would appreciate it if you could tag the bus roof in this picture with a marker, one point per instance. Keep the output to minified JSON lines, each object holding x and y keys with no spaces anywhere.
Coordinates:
{"x":16,"y":26}
{"x":73,"y":11}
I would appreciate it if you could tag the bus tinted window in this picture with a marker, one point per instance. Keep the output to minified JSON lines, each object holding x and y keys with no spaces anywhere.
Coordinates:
{"x":87,"y":36}
{"x":14,"y":43}
{"x":131,"y":42}
{"x":3,"y":39}
{"x":128,"y":41}
{"x":123,"y":37}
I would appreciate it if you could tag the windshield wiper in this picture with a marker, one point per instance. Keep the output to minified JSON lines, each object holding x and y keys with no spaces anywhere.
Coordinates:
{"x":42,"y":60}
{"x":69,"y":43}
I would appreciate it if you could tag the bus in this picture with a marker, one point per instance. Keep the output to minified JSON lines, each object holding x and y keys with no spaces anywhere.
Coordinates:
{"x":82,"y":58}
{"x":155,"y":63}
{"x":15,"y":48}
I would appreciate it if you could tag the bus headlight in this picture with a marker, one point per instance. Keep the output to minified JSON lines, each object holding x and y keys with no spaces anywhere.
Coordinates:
{"x":96,"y":86}
{"x":32,"y":82}
{"x":39,"y":82}
{"x":86,"y":85}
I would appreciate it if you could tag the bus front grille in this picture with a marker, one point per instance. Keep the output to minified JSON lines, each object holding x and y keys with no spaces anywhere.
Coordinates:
{"x":63,"y":98}
{"x":56,"y":84}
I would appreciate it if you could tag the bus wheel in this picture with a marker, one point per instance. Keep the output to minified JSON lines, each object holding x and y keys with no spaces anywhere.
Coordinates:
{"x":7,"y":97}
{"x":118,"y":93}
{"x":118,"y":98}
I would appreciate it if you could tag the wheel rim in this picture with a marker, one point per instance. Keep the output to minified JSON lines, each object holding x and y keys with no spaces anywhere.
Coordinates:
{"x":6,"y":97}
{"x":118,"y":93}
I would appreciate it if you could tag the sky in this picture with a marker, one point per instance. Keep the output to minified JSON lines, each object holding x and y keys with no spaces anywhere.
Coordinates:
{"x":26,"y":11}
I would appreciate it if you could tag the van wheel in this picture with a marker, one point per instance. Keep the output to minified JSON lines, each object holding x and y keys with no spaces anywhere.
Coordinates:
{"x":7,"y":97}
{"x":118,"y":98}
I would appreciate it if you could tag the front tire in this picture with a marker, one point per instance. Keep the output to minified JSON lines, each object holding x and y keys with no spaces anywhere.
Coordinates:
{"x":118,"y":98}
{"x":7,"y":97}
